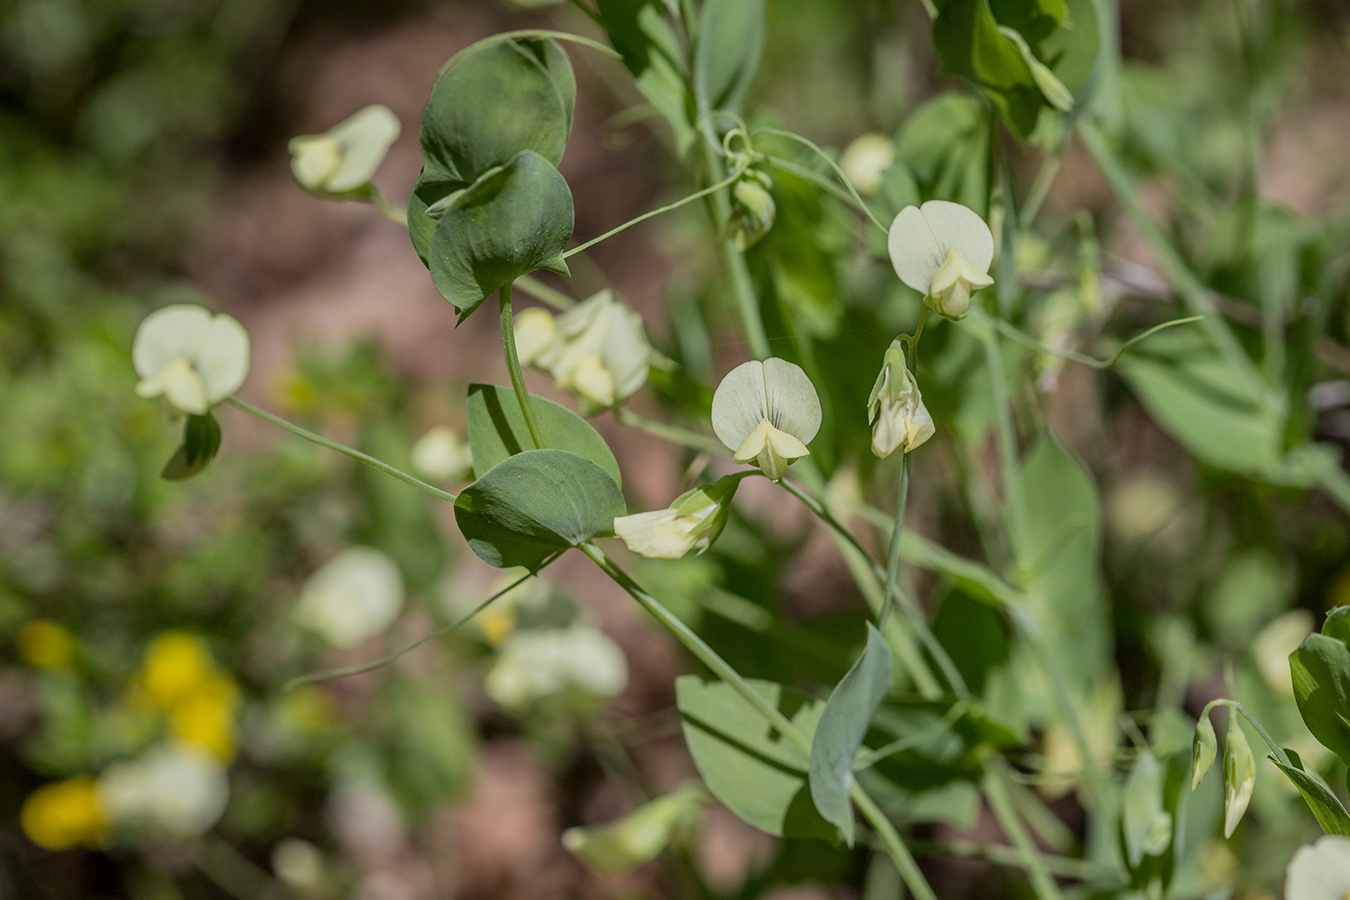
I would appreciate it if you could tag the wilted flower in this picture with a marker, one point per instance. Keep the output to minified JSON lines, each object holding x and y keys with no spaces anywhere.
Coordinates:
{"x":597,"y":350}
{"x":344,"y":157}
{"x":536,"y":665}
{"x":692,"y":522}
{"x":172,"y":791}
{"x":752,"y":209}
{"x":65,"y":814}
{"x":1320,"y":871}
{"x":865,"y":159}
{"x":441,"y":456}
{"x":943,"y":250}
{"x":767,"y":413}
{"x":354,"y":596}
{"x":189,"y":357}
{"x":895,"y":408}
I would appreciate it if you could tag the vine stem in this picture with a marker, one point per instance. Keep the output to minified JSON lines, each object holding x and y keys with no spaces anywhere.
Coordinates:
{"x":838,"y":171}
{"x":1000,"y":801}
{"x":681,"y":436}
{"x":513,"y":365}
{"x":904,"y":860}
{"x":542,"y":292}
{"x":893,"y":553}
{"x":1006,"y":433}
{"x":1237,"y":707}
{"x":697,"y":195}
{"x":357,"y":455}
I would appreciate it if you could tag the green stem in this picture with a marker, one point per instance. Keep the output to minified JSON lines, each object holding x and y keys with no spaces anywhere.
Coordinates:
{"x":1188,"y":286}
{"x":1015,"y":496}
{"x":1067,"y":867}
{"x":1265,"y":735}
{"x":329,"y":674}
{"x":513,"y":365}
{"x":843,"y":178}
{"x":742,"y":289}
{"x":815,"y":178}
{"x":904,"y":861}
{"x":893,"y":554}
{"x":996,"y":791}
{"x":389,"y":211}
{"x":341,"y":448}
{"x":697,"y":195}
{"x":540,"y":291}
{"x":673,"y":433}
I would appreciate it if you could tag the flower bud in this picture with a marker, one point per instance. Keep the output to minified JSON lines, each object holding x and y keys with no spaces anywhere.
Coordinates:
{"x":1206,"y":748}
{"x":865,"y":159}
{"x":1239,"y":775}
{"x":752,"y":209}
{"x":895,"y":408}
{"x":692,"y":522}
{"x":441,"y":456}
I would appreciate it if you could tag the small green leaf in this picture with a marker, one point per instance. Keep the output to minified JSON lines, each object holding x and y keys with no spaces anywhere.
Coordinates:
{"x":970,"y":44}
{"x":1320,"y":669}
{"x":945,"y":144}
{"x":843,"y":725}
{"x":536,"y":503}
{"x":756,"y":771}
{"x":201,"y":441}
{"x":512,"y":220}
{"x":493,"y":102}
{"x":497,"y":430}
{"x":1145,"y":825}
{"x":638,"y":29}
{"x":1328,"y":811}
{"x":727,"y":58}
{"x":1337,"y":625}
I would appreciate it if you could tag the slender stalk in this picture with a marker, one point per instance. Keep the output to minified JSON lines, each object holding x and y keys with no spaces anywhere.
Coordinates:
{"x":1237,"y":707}
{"x":540,"y":291}
{"x":697,"y":195}
{"x":1015,"y":497}
{"x":996,"y":791}
{"x":682,"y":436}
{"x":1188,"y":286}
{"x":1067,"y":867}
{"x":341,"y":448}
{"x":893,"y":554}
{"x":843,"y":178}
{"x":513,"y":365}
{"x":1040,"y":188}
{"x":904,"y":860}
{"x":329,"y":674}
{"x":393,"y":213}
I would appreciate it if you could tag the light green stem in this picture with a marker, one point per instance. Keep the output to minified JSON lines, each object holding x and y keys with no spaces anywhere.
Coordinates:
{"x":996,"y":791}
{"x":1188,"y":286}
{"x":893,"y":554}
{"x":697,"y":195}
{"x":540,"y":291}
{"x":904,"y":860}
{"x":1237,"y":707}
{"x":513,"y":366}
{"x":843,"y":178}
{"x":1006,"y":432}
{"x":341,"y":448}
{"x":393,"y":213}
{"x":676,"y":435}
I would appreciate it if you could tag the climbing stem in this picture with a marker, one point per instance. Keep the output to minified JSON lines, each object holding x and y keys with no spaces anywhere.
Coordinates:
{"x":513,"y":364}
{"x":357,"y":455}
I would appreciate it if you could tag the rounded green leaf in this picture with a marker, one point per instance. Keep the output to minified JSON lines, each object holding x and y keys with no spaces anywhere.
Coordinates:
{"x":497,"y":430}
{"x":1320,"y":668}
{"x":755,"y":771}
{"x":492,"y":102}
{"x":512,"y":220}
{"x":536,"y":503}
{"x":841,"y":730}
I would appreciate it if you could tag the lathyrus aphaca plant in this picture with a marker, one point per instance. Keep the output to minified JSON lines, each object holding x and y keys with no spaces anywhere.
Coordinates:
{"x":938,"y":714}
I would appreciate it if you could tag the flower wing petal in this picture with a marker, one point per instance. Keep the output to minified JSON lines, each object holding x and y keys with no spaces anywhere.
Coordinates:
{"x":365,"y":138}
{"x":739,"y":403}
{"x":791,"y":398}
{"x":913,"y":249}
{"x":221,"y":358}
{"x":959,"y":228}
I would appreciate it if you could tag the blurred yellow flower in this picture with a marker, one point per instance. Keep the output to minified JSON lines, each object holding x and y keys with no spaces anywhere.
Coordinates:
{"x":43,"y":644}
{"x":65,"y":814}
{"x":176,"y":665}
{"x":205,"y":718}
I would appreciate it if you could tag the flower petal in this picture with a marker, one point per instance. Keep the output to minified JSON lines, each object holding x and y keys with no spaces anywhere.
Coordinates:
{"x":657,"y":535}
{"x":221,"y":357}
{"x":913,"y":249}
{"x":754,"y":443}
{"x":739,"y":404}
{"x":364,"y":139}
{"x":166,"y":335}
{"x":792,"y":402}
{"x":959,"y":228}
